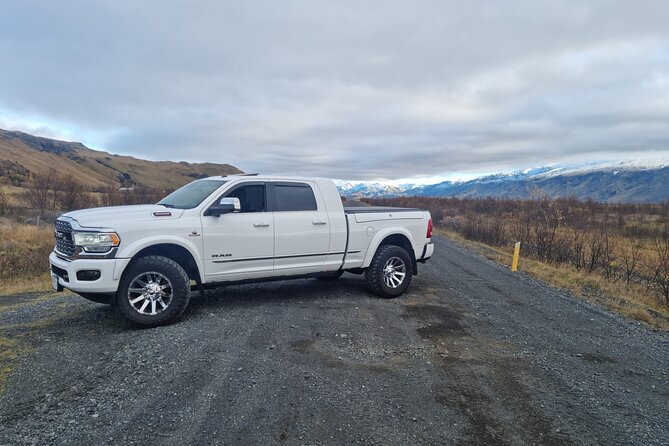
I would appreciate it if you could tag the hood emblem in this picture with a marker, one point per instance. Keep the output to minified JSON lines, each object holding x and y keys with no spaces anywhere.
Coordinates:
{"x":162,"y":214}
{"x":194,"y":233}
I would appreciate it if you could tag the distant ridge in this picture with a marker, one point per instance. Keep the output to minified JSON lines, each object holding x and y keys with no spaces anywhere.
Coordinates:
{"x":619,"y":182}
{"x":22,"y":154}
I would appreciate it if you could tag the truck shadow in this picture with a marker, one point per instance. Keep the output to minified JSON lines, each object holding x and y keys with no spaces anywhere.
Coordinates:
{"x":285,"y":292}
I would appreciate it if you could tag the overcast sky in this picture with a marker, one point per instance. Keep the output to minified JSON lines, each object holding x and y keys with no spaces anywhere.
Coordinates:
{"x":355,"y":90}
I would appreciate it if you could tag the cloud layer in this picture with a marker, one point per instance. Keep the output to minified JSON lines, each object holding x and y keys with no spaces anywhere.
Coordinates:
{"x":358,"y":90}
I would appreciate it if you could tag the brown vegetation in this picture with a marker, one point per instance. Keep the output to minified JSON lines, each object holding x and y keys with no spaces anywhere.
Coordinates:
{"x":26,"y":217}
{"x":24,"y":250}
{"x":627,"y":246}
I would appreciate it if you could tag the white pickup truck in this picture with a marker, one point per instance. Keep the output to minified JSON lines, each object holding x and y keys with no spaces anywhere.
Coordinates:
{"x":146,"y":259}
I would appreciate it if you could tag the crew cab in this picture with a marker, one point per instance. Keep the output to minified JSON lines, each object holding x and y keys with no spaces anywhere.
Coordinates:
{"x":146,"y":259}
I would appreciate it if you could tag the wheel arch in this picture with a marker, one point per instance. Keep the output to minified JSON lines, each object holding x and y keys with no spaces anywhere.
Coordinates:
{"x":391,"y":237}
{"x":178,"y":253}
{"x":182,"y":251}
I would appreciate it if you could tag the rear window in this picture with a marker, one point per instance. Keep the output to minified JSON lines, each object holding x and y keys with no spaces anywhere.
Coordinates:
{"x":297,"y":197}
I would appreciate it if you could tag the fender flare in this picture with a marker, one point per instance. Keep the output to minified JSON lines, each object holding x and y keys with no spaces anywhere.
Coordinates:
{"x":379,"y":237}
{"x":135,"y":247}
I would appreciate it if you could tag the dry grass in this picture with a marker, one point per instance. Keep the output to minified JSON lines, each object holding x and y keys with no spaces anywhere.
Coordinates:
{"x":24,"y":253}
{"x":631,"y":300}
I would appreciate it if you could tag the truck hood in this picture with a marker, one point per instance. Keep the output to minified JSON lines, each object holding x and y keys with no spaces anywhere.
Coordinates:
{"x":110,"y":217}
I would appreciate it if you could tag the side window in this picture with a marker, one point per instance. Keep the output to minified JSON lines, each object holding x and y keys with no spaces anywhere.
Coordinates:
{"x":251,"y":197}
{"x":294,"y":197}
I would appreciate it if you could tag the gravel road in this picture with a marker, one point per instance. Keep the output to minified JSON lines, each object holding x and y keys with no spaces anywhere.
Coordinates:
{"x":473,"y":354}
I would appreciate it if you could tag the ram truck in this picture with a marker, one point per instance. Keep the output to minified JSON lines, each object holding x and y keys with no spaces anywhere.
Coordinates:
{"x":147,"y":259}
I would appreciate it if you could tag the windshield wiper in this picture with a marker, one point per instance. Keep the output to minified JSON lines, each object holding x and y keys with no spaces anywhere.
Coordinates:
{"x":167,"y":205}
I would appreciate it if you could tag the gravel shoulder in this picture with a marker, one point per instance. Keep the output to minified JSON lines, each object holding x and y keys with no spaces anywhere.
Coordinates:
{"x":472,"y":354}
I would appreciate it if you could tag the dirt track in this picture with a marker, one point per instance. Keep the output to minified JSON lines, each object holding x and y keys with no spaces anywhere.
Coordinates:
{"x":472,"y":355}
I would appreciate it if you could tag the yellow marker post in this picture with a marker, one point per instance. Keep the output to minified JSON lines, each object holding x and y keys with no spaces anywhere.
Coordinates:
{"x":516,"y":255}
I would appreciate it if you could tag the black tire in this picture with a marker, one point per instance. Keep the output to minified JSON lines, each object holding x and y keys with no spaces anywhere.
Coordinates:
{"x":330,"y":277}
{"x":164,"y":273}
{"x":375,"y":273}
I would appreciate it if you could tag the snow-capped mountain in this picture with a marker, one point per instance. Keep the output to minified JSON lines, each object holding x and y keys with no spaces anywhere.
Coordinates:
{"x":614,"y":182}
{"x":370,"y":189}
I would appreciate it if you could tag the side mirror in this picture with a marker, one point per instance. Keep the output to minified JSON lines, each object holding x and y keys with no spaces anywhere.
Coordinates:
{"x":227,"y":205}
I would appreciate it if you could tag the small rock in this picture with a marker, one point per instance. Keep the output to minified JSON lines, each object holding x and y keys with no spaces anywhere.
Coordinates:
{"x":95,"y":415}
{"x":272,"y":347}
{"x":240,"y":369}
{"x":343,"y":336}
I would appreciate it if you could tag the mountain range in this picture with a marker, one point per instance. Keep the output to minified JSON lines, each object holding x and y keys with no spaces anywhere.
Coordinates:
{"x":614,"y":182}
{"x":22,"y":154}
{"x":610,"y":182}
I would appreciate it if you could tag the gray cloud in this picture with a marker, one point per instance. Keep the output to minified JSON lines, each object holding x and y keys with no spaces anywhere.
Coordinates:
{"x":344,"y":89}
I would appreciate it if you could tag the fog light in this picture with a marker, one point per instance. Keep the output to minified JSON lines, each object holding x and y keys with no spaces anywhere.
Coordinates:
{"x":88,"y":275}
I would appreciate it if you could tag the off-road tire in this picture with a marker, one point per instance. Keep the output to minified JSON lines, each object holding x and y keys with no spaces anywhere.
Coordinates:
{"x":375,"y":271}
{"x":180,"y":288}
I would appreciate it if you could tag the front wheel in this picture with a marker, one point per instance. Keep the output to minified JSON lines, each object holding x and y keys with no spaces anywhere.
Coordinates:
{"x":389,"y":274}
{"x":154,"y":290}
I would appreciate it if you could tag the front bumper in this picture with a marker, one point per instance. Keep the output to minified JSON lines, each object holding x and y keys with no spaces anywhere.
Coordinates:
{"x":65,"y":272}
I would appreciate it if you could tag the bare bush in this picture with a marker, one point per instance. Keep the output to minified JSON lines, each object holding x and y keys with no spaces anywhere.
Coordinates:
{"x":37,"y":194}
{"x":486,"y":230}
{"x":111,"y":194}
{"x":660,"y":265}
{"x":609,"y":255}
{"x":630,"y":259}
{"x":548,"y":218}
{"x":72,"y":194}
{"x":3,"y":203}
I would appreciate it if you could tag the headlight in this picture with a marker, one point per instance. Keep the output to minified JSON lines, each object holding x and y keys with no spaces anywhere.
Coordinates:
{"x":96,"y":241}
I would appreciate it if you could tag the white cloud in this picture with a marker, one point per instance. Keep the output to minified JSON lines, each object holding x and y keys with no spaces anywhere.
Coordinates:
{"x":376,"y":90}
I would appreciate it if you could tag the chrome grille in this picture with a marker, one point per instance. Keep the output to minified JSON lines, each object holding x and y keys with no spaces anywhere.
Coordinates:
{"x":64,"y":242}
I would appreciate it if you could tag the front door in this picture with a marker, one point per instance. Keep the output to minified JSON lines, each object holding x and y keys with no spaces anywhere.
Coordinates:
{"x":239,"y":245}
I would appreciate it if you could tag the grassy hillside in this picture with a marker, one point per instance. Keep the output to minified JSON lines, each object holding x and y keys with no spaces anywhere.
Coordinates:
{"x":22,"y":154}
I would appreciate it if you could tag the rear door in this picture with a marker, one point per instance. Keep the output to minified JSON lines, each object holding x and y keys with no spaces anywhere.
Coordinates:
{"x":301,"y":227}
{"x":240,"y":245}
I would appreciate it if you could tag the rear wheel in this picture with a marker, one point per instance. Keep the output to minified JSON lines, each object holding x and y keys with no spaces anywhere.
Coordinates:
{"x":154,"y":291}
{"x":390,"y":272}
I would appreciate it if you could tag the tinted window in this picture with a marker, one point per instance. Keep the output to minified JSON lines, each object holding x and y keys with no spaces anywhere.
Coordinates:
{"x":299,"y":197}
{"x":251,"y":197}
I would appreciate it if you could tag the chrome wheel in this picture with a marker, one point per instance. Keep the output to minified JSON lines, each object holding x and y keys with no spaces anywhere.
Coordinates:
{"x":150,"y":293}
{"x":394,"y":272}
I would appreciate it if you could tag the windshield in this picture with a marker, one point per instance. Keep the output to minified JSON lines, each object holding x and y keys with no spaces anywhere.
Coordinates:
{"x":192,"y":194}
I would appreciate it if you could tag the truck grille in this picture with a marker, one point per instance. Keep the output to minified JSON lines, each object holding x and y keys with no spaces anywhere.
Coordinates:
{"x":64,"y":242}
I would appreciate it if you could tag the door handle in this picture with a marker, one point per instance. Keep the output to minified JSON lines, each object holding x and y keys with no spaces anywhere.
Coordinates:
{"x":260,"y":225}
{"x":319,"y":222}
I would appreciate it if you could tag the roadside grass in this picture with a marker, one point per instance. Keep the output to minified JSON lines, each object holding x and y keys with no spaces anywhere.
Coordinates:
{"x":633,"y":300}
{"x":24,"y":253}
